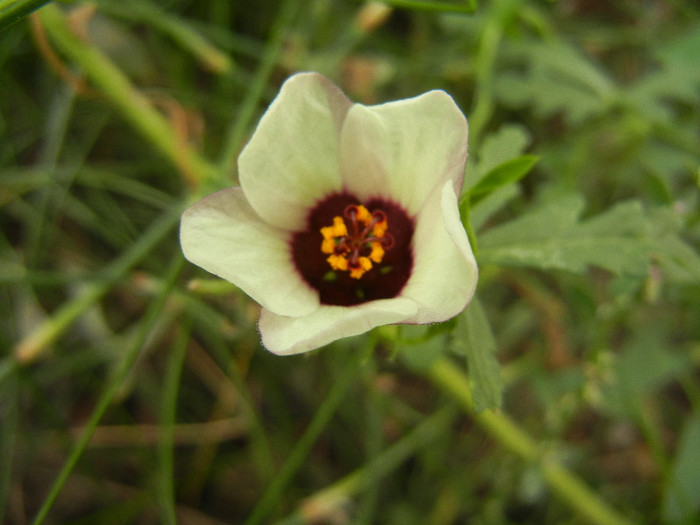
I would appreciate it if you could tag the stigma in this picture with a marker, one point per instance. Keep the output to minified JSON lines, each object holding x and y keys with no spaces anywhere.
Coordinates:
{"x":356,"y":241}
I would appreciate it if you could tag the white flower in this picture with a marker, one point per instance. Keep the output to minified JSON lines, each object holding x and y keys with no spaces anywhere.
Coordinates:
{"x":346,"y":217}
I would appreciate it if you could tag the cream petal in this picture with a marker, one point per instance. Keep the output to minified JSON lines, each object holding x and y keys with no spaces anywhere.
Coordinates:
{"x":294,"y":335}
{"x":223,"y":234}
{"x":292,"y":159}
{"x":404,"y":149}
{"x":444,"y":273}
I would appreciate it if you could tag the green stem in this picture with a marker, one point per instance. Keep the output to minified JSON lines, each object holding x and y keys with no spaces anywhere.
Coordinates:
{"x":326,"y":501}
{"x":8,"y":430}
{"x":301,"y":451}
{"x":132,"y":104}
{"x":180,"y":31}
{"x":166,"y":492}
{"x":567,"y":485}
{"x":499,"y":16}
{"x":269,"y":59}
{"x":115,"y":382}
{"x":466,"y":6}
{"x":32,"y":346}
{"x":15,"y":10}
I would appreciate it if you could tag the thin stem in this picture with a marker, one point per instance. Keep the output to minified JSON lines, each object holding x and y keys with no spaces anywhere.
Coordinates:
{"x":466,"y":6}
{"x":235,"y":135}
{"x":567,"y":485}
{"x":15,"y":10}
{"x":166,"y":492}
{"x":303,"y":447}
{"x":115,"y":382}
{"x":326,"y":501}
{"x":132,"y":104}
{"x":31,"y":347}
{"x":9,"y":414}
{"x":179,"y":30}
{"x":482,"y":108}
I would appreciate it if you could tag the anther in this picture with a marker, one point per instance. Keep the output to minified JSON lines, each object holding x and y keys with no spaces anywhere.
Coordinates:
{"x":355,"y":243}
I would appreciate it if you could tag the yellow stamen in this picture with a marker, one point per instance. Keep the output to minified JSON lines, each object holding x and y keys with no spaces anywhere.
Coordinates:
{"x":328,"y":245}
{"x":338,"y":262}
{"x":377,"y":253}
{"x":337,"y":230}
{"x":365,"y":266}
{"x":364,"y":215}
{"x":380,"y":229}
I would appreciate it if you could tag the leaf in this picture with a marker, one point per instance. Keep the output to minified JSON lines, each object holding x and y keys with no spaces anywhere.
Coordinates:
{"x":643,"y":366}
{"x":15,"y":10}
{"x":474,"y":339}
{"x":679,"y":261}
{"x":498,"y":150}
{"x":507,"y":143}
{"x":678,"y":77}
{"x":682,"y":497}
{"x":504,"y":174}
{"x":554,"y":237}
{"x":559,"y":79}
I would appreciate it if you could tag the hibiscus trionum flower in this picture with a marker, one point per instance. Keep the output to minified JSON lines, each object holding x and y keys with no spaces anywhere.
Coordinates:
{"x":346,"y":217}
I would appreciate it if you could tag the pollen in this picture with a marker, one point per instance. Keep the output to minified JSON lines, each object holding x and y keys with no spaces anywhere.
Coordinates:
{"x":356,"y":240}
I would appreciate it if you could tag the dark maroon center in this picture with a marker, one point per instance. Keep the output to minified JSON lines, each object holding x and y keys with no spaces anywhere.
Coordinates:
{"x":383,"y":281}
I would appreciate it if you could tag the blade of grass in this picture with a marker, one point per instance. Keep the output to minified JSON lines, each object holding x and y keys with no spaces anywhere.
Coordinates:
{"x":166,"y":487}
{"x":8,"y":429}
{"x":130,"y":355}
{"x":325,"y":502}
{"x":240,"y":125}
{"x":32,"y":346}
{"x":466,"y":6}
{"x":178,"y":29}
{"x":489,"y":43}
{"x":281,"y":481}
{"x":132,"y":104}
{"x":12,"y":11}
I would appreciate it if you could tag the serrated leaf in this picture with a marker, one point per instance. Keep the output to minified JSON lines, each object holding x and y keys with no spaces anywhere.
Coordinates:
{"x":679,"y":261}
{"x":504,"y":174}
{"x":678,"y":77}
{"x":554,"y":237}
{"x":474,"y":339}
{"x":682,"y":497}
{"x":560,"y":79}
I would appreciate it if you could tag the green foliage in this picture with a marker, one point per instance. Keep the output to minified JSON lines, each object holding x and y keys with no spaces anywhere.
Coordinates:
{"x":474,"y":340}
{"x":509,"y":172}
{"x":133,"y":386}
{"x":13,"y":11}
{"x":681,"y":500}
{"x":554,"y":237}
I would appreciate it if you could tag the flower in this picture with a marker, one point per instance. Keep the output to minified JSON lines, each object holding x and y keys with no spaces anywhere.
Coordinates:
{"x":346,"y":217}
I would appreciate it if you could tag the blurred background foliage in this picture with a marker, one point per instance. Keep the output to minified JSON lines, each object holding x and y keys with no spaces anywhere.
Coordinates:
{"x":133,"y":388}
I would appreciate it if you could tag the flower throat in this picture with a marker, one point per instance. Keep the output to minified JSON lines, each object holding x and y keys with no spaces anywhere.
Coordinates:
{"x":356,"y":240}
{"x":352,"y":251}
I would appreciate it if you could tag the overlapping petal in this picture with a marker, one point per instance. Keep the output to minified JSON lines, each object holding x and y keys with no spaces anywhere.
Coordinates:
{"x":292,"y":160}
{"x":444,"y":273}
{"x":225,"y":236}
{"x":404,"y":149}
{"x":285,"y":335}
